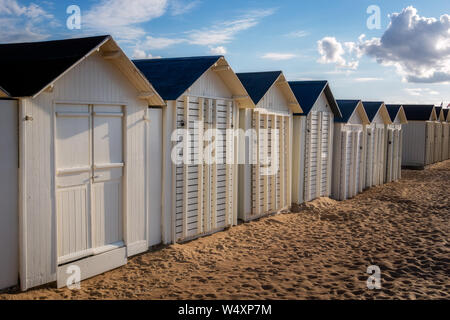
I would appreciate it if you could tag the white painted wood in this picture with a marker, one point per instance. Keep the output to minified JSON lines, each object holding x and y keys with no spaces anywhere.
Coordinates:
{"x":154,"y":150}
{"x":416,"y":144}
{"x":92,"y":81}
{"x":9,"y":224}
{"x":92,"y":266}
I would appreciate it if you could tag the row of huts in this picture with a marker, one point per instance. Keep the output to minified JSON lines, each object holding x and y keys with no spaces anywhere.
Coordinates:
{"x":89,"y":150}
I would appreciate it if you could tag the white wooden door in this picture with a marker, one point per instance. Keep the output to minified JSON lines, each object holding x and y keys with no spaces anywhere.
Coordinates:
{"x":390,"y":156}
{"x":326,"y":127}
{"x":154,"y":194}
{"x":89,"y":170}
{"x":370,"y":158}
{"x":204,"y":191}
{"x":9,"y":225}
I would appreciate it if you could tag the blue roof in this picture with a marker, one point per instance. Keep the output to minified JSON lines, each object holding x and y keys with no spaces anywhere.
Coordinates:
{"x":445,"y":113}
{"x":393,"y":110}
{"x":307,"y":93}
{"x":438,"y":111}
{"x":347,"y":108}
{"x":418,"y":112}
{"x":372,"y":108}
{"x":258,"y":83}
{"x":171,"y":77}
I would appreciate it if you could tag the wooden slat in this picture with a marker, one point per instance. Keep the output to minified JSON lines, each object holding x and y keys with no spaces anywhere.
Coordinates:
{"x":319,"y":156}
{"x":235,"y":166}
{"x":228,"y":167}
{"x":265,"y":153}
{"x":274,"y":145}
{"x":289,"y":164}
{"x":282,"y":165}
{"x":257,"y":166}
{"x":186,"y":154}
{"x":330,"y":153}
{"x":207,"y":173}
{"x":214,"y":172}
{"x":354,"y":166}
{"x":200,"y":220}
{"x":308,"y":161}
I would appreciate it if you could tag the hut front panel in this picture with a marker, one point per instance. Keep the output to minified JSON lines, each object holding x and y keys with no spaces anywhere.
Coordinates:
{"x":93,"y":81}
{"x":204,"y":194}
{"x":414,"y":147}
{"x":9,"y":224}
{"x":445,"y":140}
{"x":438,"y":141}
{"x":271,"y":184}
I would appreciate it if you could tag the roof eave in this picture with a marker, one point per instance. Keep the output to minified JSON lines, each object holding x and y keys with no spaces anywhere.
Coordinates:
{"x":333,"y":104}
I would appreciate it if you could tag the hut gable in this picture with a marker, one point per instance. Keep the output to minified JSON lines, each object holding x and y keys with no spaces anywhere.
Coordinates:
{"x":352,"y":112}
{"x":315,"y":95}
{"x":270,"y":91}
{"x":28,"y":69}
{"x":202,"y":76}
{"x":420,"y":112}
{"x":377,"y":112}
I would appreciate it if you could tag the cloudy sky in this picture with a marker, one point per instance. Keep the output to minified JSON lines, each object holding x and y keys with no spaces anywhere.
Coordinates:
{"x":401,"y":57}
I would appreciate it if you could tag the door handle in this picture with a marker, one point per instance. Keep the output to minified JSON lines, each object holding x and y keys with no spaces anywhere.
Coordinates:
{"x":97,"y":177}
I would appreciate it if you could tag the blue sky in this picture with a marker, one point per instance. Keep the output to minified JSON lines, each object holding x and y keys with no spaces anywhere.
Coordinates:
{"x":407,"y":61}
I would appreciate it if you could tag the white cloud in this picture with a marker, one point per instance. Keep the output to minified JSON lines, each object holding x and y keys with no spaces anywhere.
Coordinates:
{"x":121,"y":18}
{"x":278,"y":56}
{"x":332,"y":51}
{"x":419,"y":92}
{"x":178,"y":7}
{"x":220,"y":50}
{"x":224,"y":32}
{"x":19,"y":23}
{"x":417,"y":47}
{"x":141,"y":54}
{"x":367,"y":79}
{"x":155,"y":43}
{"x":297,"y":34}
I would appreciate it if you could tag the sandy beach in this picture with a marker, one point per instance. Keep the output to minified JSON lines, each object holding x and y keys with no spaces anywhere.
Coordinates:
{"x":321,"y":252}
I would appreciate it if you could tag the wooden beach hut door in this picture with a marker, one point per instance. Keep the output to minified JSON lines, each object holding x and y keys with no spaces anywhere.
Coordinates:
{"x":429,"y":143}
{"x":317,"y":160}
{"x":371,"y":153}
{"x":89,"y":172}
{"x":9,"y":224}
{"x":204,"y":189}
{"x":390,"y":156}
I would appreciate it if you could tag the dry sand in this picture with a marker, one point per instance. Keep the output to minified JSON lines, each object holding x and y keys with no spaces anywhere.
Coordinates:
{"x":320,"y":253}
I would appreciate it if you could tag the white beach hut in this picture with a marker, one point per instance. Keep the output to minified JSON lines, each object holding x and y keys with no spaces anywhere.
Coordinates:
{"x":438,"y":134}
{"x":348,"y":153}
{"x":418,"y":136}
{"x":80,"y":105}
{"x":265,"y":184}
{"x":375,"y":135}
{"x":313,"y":140}
{"x":203,"y":94}
{"x":446,"y":135}
{"x":394,"y":143}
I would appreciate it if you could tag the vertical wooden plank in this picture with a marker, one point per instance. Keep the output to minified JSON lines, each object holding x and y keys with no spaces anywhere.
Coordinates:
{"x":274,"y":160}
{"x":214,"y":171}
{"x":207,"y":173}
{"x":344,"y":181}
{"x":186,"y":160}
{"x":266,"y":153}
{"x":289,"y":159}
{"x":319,"y":156}
{"x":308,"y":157}
{"x":174,"y":178}
{"x":235,"y":164}
{"x":200,"y":204}
{"x":228,"y":167}
{"x":282,"y":164}
{"x":355,"y":163}
{"x":330,"y":153}
{"x":258,"y":164}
